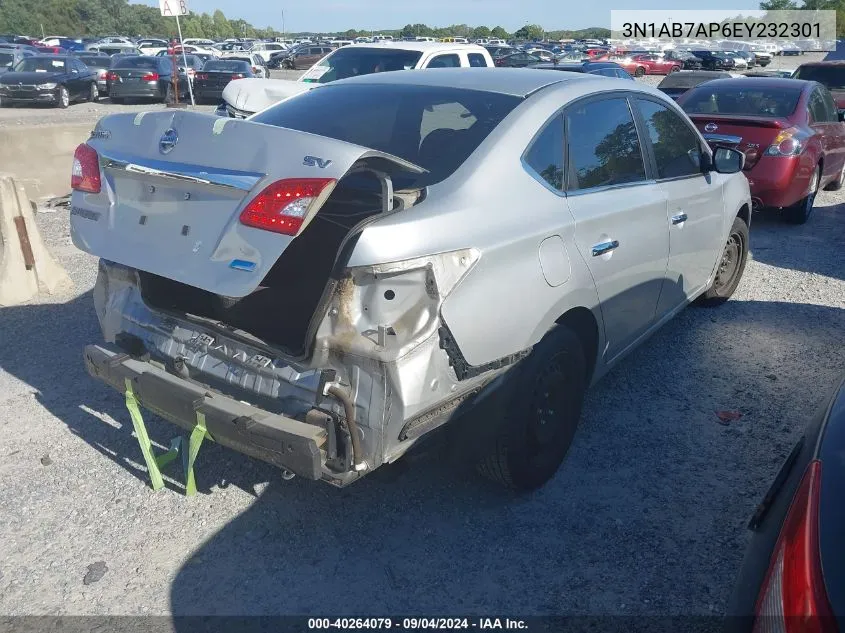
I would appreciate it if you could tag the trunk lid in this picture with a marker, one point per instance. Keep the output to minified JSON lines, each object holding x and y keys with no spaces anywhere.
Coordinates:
{"x":750,"y":135}
{"x":174,"y":185}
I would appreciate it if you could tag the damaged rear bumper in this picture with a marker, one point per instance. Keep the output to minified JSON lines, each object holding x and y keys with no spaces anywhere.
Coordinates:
{"x":279,"y":440}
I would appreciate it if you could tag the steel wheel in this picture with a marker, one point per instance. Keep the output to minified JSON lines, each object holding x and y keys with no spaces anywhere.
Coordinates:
{"x":729,"y":265}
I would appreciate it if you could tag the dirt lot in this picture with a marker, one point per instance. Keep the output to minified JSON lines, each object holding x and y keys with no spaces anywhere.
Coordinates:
{"x":647,"y":515}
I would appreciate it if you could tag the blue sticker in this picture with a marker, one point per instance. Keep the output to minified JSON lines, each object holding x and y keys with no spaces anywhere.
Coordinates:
{"x":242,"y":264}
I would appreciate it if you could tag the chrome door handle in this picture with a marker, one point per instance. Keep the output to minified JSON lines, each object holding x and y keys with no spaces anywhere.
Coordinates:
{"x":604,"y":247}
{"x":680,"y":218}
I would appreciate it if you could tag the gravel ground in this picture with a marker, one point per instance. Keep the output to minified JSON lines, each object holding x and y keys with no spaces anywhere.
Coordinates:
{"x":647,"y":515}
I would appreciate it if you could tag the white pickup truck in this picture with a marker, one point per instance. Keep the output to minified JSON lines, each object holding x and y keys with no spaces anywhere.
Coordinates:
{"x":245,"y":97}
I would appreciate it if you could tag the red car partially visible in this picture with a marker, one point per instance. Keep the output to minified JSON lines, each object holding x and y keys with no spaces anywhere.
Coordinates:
{"x":656,"y":65}
{"x":51,"y":50}
{"x":790,"y":131}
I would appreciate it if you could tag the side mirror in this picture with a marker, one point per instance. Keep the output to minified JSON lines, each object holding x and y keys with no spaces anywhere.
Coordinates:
{"x":727,"y":160}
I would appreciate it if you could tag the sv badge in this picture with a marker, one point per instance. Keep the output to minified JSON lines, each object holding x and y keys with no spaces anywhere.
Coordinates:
{"x":314,"y":161}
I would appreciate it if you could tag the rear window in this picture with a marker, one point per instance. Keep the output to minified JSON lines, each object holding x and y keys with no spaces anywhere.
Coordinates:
{"x":226,"y":66}
{"x":831,"y":77}
{"x":136,"y":62}
{"x":350,"y":62}
{"x":244,"y":60}
{"x":435,"y":128}
{"x":41,"y":65}
{"x":731,"y":99}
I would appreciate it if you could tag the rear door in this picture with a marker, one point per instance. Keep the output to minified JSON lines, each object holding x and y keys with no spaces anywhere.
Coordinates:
{"x":695,"y":211}
{"x":174,"y":184}
{"x":620,"y":215}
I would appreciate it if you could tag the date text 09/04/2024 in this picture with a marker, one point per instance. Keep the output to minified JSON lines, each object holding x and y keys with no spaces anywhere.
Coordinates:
{"x":731,"y":30}
{"x":417,"y":624}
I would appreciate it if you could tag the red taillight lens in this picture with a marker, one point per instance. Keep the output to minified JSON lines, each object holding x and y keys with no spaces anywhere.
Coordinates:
{"x":283,"y":206}
{"x":150,"y":77}
{"x":793,"y":598}
{"x":110,"y":76}
{"x":85,"y":173}
{"x":789,"y":142}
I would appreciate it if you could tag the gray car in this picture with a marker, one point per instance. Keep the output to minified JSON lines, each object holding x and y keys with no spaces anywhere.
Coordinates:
{"x":336,"y":277}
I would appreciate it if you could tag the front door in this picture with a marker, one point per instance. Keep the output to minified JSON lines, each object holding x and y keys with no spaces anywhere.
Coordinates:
{"x":695,"y":212}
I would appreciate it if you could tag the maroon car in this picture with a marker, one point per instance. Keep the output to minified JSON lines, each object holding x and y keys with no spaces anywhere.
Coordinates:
{"x":790,"y":131}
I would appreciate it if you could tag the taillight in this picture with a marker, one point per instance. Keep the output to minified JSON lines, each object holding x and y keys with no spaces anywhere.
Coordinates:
{"x":283,"y":206}
{"x":85,"y":173}
{"x":110,"y":76}
{"x":150,"y":77}
{"x":790,"y":142}
{"x":793,"y":598}
{"x":237,"y":76}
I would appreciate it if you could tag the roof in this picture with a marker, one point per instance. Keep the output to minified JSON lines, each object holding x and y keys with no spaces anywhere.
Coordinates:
{"x":517,"y":82}
{"x":423,"y":47}
{"x":763,"y":82}
{"x":584,"y":66}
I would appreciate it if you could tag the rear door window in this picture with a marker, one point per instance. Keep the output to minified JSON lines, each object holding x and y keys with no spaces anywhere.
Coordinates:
{"x":818,"y":109}
{"x":830,"y":103}
{"x":604,"y":149}
{"x":445,"y":61}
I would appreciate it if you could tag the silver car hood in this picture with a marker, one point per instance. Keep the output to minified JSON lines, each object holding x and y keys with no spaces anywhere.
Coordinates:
{"x":253,"y":95}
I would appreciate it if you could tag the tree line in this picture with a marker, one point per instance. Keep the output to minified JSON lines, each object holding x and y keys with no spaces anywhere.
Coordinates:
{"x":119,"y":17}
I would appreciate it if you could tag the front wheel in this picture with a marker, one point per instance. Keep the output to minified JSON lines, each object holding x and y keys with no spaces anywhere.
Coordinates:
{"x":62,"y":98}
{"x":801,"y":211}
{"x":730,"y":268}
{"x":674,"y":69}
{"x":541,"y":414}
{"x":93,"y":93}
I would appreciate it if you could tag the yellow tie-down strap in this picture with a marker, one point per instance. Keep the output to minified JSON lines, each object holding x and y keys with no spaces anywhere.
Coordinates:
{"x":177,"y":446}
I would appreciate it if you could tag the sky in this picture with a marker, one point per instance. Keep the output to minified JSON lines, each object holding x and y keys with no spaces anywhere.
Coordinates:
{"x":337,"y":15}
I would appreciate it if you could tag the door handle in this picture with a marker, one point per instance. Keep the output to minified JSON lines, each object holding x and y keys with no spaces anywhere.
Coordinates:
{"x":604,"y":247}
{"x":679,"y":219}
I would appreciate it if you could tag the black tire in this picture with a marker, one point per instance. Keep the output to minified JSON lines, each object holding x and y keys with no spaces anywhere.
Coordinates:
{"x":62,"y":98}
{"x":731,"y":266}
{"x":541,"y":414}
{"x":93,"y":92}
{"x":801,"y":211}
{"x":639,"y":72}
{"x":837,"y":184}
{"x":675,"y":69}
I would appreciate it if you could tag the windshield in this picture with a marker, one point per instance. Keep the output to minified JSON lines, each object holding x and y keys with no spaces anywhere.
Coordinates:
{"x":727,"y":99}
{"x":41,"y":65}
{"x":411,"y":122}
{"x":228,"y":66}
{"x":349,"y":62}
{"x":832,"y":77}
{"x":136,"y":62}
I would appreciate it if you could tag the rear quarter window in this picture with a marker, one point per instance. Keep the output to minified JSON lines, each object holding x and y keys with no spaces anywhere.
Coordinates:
{"x":477,"y":60}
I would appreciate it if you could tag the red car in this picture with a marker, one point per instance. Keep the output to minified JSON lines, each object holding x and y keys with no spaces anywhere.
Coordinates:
{"x":656,"y":65}
{"x":790,"y":131}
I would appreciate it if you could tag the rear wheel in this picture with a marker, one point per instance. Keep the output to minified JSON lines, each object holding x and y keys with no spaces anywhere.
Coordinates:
{"x":731,"y":266}
{"x":801,"y":211}
{"x":639,"y":72}
{"x":541,"y":414}
{"x":62,"y":97}
{"x":93,"y":93}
